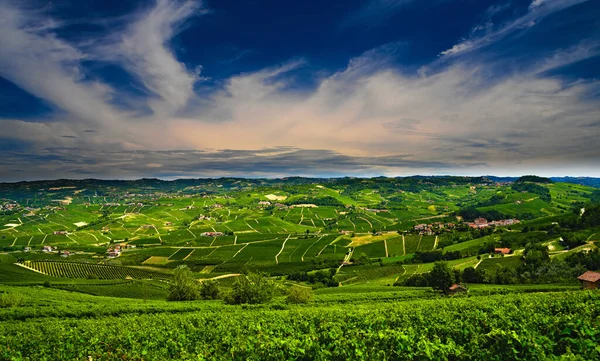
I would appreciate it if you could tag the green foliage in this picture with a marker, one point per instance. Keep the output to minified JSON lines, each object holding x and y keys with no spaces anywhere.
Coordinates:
{"x":209,"y":290}
{"x":12,"y":299}
{"x":184,"y":286}
{"x":299,"y":294}
{"x":253,"y":288}
{"x":496,"y":327}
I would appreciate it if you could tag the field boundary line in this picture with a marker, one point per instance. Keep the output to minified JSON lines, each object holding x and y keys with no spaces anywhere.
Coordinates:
{"x":315,"y":242}
{"x":281,"y":250}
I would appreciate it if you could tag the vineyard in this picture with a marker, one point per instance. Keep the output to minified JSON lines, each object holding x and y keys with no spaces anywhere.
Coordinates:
{"x":88,"y":270}
{"x":561,"y":325}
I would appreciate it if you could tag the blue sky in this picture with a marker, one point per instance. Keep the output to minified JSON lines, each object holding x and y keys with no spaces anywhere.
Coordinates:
{"x":175,"y":88}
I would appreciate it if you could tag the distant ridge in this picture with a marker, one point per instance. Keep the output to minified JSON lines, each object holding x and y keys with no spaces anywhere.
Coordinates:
{"x":587,"y":181}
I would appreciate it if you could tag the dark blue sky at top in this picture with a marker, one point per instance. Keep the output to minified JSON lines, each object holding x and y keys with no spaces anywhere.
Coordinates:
{"x":233,"y":37}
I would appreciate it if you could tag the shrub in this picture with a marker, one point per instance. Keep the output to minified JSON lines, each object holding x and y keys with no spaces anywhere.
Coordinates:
{"x":253,"y":288}
{"x":299,"y":294}
{"x":11,"y":300}
{"x":209,"y":290}
{"x":184,"y":287}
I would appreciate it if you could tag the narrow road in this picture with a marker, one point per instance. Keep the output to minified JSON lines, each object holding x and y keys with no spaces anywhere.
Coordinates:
{"x":281,"y":250}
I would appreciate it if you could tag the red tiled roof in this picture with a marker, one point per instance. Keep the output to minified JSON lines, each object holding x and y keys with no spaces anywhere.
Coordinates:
{"x":502,"y":250}
{"x":590,"y":276}
{"x":456,"y":286}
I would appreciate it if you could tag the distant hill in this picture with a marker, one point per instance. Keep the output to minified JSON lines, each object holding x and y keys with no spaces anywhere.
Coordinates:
{"x":534,"y":179}
{"x":586,"y":181}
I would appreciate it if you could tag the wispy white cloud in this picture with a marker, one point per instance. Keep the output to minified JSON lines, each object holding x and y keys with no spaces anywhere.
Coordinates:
{"x":538,"y":10}
{"x":144,"y":49}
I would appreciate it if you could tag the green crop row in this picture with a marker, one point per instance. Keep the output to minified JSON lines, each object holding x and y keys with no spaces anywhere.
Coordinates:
{"x":500,"y":327}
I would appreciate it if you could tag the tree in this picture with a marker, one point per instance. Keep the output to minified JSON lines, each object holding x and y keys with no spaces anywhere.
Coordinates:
{"x":441,"y":276}
{"x":252,"y":288}
{"x":184,"y":286}
{"x":209,"y":290}
{"x":299,"y":294}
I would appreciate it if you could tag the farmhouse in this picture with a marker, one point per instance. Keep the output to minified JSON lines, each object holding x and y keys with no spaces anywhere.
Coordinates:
{"x":590,"y":280}
{"x":65,"y":254}
{"x":60,"y":232}
{"x":264,"y":203}
{"x":211,"y":234}
{"x":502,"y":250}
{"x":456,"y":288}
{"x":47,"y":249}
{"x":113,"y":253}
{"x":168,"y":223}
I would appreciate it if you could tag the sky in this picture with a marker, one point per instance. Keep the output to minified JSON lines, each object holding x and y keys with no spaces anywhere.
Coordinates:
{"x":170,"y":89}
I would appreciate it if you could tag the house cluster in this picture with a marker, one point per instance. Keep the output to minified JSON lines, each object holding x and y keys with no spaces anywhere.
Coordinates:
{"x":8,"y":206}
{"x":483,"y":223}
{"x":264,"y":203}
{"x":60,"y":232}
{"x":203,"y":217}
{"x":217,"y":205}
{"x":113,"y":252}
{"x":211,"y":234}
{"x":48,"y":249}
{"x":135,"y":204}
{"x":187,"y":208}
{"x":146,"y":226}
{"x":111,"y":204}
{"x":168,"y":223}
{"x":429,"y":229}
{"x":343,"y":231}
{"x":376,"y":210}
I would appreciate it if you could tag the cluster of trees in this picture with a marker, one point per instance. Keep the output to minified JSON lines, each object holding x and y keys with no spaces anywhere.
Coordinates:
{"x":184,"y":286}
{"x":536,"y":267}
{"x":433,"y":256}
{"x":322,"y":278}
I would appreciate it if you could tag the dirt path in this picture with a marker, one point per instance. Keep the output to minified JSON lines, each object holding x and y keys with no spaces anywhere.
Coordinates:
{"x":192,"y":233}
{"x":189,"y":254}
{"x":435,"y":243}
{"x":353,"y":225}
{"x":236,"y":253}
{"x":386,"y":250}
{"x":346,"y":260}
{"x":315,"y":242}
{"x":403,"y":246}
{"x":281,"y":250}
{"x":219,"y":277}
{"x":419,"y":244}
{"x":72,"y":239}
{"x":478,"y":263}
{"x":370,"y":224}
